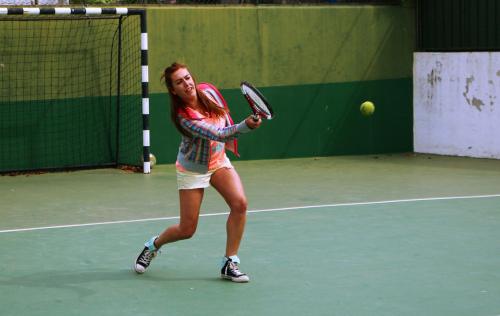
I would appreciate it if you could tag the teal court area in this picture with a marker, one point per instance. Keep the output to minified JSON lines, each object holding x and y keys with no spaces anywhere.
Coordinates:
{"x":356,"y":235}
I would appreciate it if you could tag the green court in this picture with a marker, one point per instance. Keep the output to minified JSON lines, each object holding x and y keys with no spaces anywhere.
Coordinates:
{"x":399,"y":234}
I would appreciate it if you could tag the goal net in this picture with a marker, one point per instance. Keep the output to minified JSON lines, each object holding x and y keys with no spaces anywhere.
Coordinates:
{"x":70,"y":91}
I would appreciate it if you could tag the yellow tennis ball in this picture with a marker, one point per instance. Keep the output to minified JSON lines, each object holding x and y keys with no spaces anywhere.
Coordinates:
{"x":152,"y":160}
{"x":367,"y":108}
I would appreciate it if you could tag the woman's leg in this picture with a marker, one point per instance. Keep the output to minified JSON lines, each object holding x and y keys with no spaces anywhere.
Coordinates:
{"x":227,"y":182}
{"x":190,"y":203}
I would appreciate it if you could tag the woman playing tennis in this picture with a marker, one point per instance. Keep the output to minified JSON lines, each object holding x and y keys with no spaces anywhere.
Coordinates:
{"x":201,"y":115}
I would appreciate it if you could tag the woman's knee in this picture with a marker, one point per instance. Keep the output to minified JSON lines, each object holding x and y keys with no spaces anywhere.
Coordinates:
{"x":239,"y":205}
{"x":187,"y":231}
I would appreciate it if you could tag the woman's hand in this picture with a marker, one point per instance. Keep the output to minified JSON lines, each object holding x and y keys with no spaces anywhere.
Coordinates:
{"x":252,"y":123}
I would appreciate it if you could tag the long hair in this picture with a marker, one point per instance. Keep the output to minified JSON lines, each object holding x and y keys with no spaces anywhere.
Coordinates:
{"x":176,"y":103}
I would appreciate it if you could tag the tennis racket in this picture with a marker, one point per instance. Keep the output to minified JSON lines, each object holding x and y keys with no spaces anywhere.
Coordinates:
{"x":259,"y":105}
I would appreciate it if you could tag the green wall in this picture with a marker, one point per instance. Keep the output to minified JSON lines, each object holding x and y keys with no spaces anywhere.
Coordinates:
{"x":316,"y":64}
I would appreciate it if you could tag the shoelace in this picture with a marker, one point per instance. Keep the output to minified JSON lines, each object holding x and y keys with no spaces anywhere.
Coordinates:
{"x":146,"y":257}
{"x":234,"y":269}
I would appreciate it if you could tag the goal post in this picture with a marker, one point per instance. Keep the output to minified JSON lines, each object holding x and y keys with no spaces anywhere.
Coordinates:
{"x":73,"y":88}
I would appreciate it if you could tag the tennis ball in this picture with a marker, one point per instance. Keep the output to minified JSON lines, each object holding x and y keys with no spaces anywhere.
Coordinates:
{"x":367,"y":108}
{"x":152,"y":160}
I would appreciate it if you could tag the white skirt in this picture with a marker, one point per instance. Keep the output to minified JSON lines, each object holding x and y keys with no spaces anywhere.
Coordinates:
{"x":192,"y":180}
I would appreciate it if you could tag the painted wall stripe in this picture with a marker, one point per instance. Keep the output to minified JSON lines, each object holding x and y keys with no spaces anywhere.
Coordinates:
{"x":145,"y":135}
{"x":145,"y":73}
{"x":93,"y":11}
{"x":147,"y":167}
{"x":144,"y":41}
{"x":15,"y":11}
{"x":79,"y":11}
{"x":145,"y":106}
{"x":63,"y":11}
{"x":145,"y":122}
{"x":47,"y":11}
{"x":34,"y":11}
{"x":122,"y":11}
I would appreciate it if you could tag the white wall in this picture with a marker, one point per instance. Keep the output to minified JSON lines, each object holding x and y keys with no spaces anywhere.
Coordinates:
{"x":456,"y":100}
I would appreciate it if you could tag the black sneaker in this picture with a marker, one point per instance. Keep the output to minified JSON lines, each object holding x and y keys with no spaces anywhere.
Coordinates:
{"x":230,"y":271}
{"x":148,"y":253}
{"x":142,"y":262}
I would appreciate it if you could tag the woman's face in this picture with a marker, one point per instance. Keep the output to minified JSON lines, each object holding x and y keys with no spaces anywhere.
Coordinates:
{"x":183,"y":85}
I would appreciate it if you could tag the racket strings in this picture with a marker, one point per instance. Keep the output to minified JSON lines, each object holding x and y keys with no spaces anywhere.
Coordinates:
{"x":257,"y":100}
{"x":263,"y":108}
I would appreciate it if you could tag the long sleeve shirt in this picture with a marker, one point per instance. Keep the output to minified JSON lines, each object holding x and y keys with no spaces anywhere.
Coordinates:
{"x":205,"y":149}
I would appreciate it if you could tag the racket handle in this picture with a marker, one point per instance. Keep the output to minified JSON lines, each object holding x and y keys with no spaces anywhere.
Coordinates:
{"x":255,"y":117}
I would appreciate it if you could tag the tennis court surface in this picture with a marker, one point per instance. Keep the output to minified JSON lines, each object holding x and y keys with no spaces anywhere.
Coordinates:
{"x":397,"y":234}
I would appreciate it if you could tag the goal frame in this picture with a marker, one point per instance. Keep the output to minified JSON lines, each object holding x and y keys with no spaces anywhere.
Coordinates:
{"x":93,"y":11}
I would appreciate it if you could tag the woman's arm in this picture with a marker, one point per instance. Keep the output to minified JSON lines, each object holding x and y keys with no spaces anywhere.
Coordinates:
{"x":204,"y":130}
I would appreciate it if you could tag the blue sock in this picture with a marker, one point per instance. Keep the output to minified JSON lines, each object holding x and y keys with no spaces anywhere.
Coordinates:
{"x":234,"y":259}
{"x":151,"y":243}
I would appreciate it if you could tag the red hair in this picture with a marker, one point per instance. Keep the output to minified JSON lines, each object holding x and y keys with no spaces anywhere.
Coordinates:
{"x":176,"y":103}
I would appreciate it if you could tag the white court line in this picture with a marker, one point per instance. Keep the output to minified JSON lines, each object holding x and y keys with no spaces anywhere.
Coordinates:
{"x":258,"y":211}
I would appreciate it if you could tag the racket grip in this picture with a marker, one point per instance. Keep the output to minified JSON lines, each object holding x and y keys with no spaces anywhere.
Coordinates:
{"x":255,"y":117}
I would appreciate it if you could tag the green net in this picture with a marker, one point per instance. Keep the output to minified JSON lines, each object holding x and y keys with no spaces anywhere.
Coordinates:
{"x":70,"y":92}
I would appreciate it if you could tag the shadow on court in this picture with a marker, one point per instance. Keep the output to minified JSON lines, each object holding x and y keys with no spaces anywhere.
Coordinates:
{"x":78,"y":281}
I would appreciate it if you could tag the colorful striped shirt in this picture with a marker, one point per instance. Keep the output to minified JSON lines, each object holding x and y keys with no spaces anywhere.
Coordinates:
{"x":205,"y":150}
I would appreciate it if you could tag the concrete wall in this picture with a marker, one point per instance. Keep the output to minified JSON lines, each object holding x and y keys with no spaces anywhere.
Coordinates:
{"x":457,"y":104}
{"x":316,"y":64}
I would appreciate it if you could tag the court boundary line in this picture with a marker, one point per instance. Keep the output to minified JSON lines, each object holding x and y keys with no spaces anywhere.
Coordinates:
{"x":290,"y":208}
